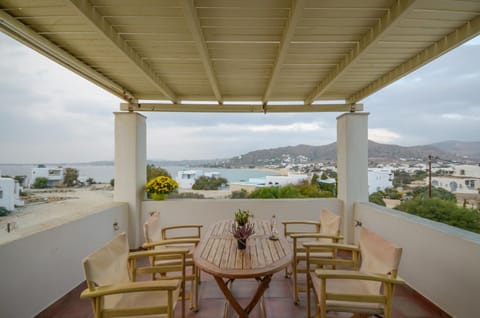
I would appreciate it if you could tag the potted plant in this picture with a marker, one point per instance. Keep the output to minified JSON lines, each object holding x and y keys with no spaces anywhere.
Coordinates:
{"x":159,"y":187}
{"x":242,"y":233}
{"x":242,"y":216}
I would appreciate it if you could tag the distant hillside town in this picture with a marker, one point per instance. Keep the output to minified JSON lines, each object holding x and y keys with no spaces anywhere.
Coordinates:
{"x":452,"y":166}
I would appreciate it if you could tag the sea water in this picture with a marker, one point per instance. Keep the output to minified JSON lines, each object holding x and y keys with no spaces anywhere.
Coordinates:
{"x":105,"y":173}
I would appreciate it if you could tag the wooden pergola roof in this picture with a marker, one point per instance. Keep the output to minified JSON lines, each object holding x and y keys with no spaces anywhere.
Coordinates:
{"x":307,"y":52}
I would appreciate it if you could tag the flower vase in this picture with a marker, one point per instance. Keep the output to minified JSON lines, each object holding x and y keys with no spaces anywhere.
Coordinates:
{"x":242,"y":244}
{"x":158,"y":196}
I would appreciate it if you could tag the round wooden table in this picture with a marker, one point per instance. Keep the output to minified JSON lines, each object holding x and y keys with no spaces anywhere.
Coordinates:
{"x":218,"y":255}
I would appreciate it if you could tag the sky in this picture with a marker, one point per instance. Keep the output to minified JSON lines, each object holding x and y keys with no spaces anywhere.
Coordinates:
{"x":50,"y":115}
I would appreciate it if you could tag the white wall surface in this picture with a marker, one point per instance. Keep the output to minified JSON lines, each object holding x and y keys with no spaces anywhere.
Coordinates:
{"x":439,"y":261}
{"x":38,"y":269}
{"x":207,"y":211}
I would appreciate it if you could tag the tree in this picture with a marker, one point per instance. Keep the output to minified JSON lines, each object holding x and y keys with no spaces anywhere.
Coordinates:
{"x":70,"y":177}
{"x":154,"y":171}
{"x":422,"y":192}
{"x":377,"y":198}
{"x":209,"y":183}
{"x":401,"y":178}
{"x":444,"y":211}
{"x":40,"y":183}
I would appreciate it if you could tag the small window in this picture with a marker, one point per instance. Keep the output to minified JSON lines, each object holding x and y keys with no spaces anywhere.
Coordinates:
{"x":462,"y":172}
{"x":1,"y":194}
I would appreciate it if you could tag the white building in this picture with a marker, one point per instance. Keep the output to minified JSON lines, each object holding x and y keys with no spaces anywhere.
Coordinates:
{"x":464,"y":180}
{"x":10,"y":194}
{"x":54,"y":175}
{"x":186,"y":178}
{"x":379,"y":179}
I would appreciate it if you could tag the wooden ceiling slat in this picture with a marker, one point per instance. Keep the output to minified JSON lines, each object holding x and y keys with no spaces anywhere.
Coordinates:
{"x":244,"y":44}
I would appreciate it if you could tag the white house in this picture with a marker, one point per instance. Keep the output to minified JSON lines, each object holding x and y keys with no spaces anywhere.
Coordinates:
{"x":464,"y":180}
{"x":54,"y":175}
{"x":9,"y":194}
{"x":379,"y":179}
{"x":187,"y":178}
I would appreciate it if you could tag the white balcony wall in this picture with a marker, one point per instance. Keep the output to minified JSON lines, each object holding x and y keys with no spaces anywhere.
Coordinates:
{"x":439,"y":261}
{"x":39,"y":267}
{"x":207,"y":211}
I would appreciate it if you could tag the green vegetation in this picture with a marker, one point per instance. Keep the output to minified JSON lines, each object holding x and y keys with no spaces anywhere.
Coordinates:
{"x":377,"y":198}
{"x":403,"y":178}
{"x":304,"y":190}
{"x":441,"y":210}
{"x":154,"y":171}
{"x":40,"y":183}
{"x":70,"y":177}
{"x":4,"y":212}
{"x":209,"y":183}
{"x":422,"y":192}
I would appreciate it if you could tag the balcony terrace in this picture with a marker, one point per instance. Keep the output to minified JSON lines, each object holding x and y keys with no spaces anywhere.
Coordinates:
{"x":284,"y":56}
{"x":45,"y":266}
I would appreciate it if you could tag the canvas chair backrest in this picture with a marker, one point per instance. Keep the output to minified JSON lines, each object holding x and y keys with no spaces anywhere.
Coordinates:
{"x":152,"y":229}
{"x":108,"y":265}
{"x":330,"y":224}
{"x":378,"y":256}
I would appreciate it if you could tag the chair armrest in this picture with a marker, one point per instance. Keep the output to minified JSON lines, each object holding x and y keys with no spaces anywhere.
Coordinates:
{"x":348,"y":247}
{"x":346,"y":274}
{"x":288,"y":223}
{"x":131,"y":287}
{"x":183,"y":226}
{"x":316,"y":235}
{"x":166,"y":251}
{"x":151,"y":245}
{"x":301,"y":222}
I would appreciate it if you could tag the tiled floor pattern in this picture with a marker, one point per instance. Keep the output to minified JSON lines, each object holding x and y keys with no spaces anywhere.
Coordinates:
{"x":278,"y":302}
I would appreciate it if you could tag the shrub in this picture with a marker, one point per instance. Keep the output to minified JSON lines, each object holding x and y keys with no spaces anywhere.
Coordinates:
{"x":242,"y":194}
{"x":444,"y":211}
{"x":4,"y":211}
{"x":377,"y":198}
{"x":40,"y":183}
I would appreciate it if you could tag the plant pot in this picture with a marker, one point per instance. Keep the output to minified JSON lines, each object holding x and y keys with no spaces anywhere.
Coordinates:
{"x":158,"y":196}
{"x":242,"y":244}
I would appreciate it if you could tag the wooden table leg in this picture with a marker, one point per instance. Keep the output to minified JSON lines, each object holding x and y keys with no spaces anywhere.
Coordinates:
{"x":243,"y":313}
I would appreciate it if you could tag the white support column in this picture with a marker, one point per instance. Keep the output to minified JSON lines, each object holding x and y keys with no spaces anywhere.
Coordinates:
{"x":352,"y":166}
{"x":130,"y":168}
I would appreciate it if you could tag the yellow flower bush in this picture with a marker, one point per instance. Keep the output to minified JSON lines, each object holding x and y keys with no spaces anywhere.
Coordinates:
{"x":161,"y":185}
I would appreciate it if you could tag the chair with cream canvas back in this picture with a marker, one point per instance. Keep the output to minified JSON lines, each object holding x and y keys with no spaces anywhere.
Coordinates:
{"x":111,"y":273}
{"x":365,"y":290}
{"x":326,"y":231}
{"x":185,"y":236}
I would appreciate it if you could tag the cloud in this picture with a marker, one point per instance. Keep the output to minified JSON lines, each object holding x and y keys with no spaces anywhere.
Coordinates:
{"x":50,"y":114}
{"x":382,"y":135}
{"x":295,"y":127}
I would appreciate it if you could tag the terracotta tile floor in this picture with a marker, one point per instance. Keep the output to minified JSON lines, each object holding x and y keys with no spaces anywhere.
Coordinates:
{"x":278,"y":302}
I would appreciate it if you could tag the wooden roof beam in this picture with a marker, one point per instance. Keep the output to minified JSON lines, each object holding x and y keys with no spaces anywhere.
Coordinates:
{"x":253,"y":108}
{"x":369,"y":39}
{"x":447,"y":43}
{"x":88,"y":12}
{"x":193,"y":23}
{"x":288,"y":32}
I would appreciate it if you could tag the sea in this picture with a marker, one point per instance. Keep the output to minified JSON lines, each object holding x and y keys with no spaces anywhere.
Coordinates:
{"x":105,"y":173}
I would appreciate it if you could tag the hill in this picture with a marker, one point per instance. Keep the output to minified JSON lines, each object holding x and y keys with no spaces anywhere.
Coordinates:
{"x":377,"y":152}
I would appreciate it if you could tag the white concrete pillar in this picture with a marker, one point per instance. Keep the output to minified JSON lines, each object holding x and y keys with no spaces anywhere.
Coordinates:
{"x":130,"y":168}
{"x":352,"y":166}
